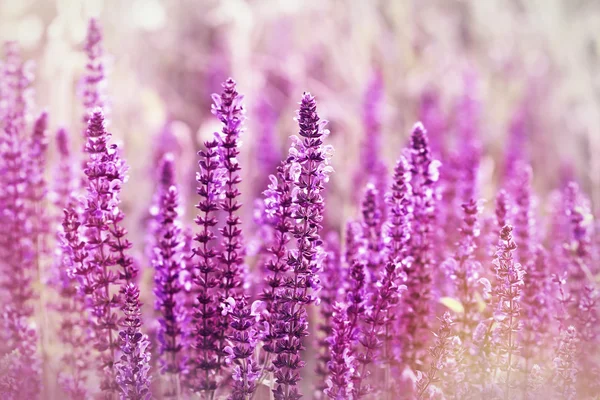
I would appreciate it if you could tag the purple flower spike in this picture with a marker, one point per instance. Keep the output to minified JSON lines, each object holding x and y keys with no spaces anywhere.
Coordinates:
{"x":342,"y":363}
{"x":310,"y":169}
{"x":244,"y":338}
{"x":440,"y":353}
{"x":204,"y":365}
{"x":108,"y":265}
{"x":564,"y":378}
{"x":167,"y":262}
{"x":134,"y":364}
{"x":95,"y":76}
{"x":376,"y":321}
{"x":524,"y":217}
{"x":371,"y":232}
{"x":416,"y":318}
{"x":509,"y":283}
{"x":399,"y":203}
{"x":230,"y":111}
{"x":73,"y":330}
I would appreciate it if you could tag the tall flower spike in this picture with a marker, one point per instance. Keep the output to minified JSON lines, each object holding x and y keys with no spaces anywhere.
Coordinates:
{"x":310,"y":158}
{"x":73,"y":329}
{"x":333,"y":277}
{"x":342,"y":363}
{"x":371,"y":232}
{"x":465,"y":270}
{"x":399,"y":202}
{"x":106,"y":244}
{"x":565,"y":370}
{"x":377,"y":318}
{"x":95,"y":76}
{"x":524,"y":217}
{"x":371,"y":167}
{"x":416,"y":318}
{"x":134,"y":364}
{"x":509,"y":283}
{"x":167,"y":261}
{"x":228,"y":108}
{"x":204,"y":365}
{"x":440,"y":352}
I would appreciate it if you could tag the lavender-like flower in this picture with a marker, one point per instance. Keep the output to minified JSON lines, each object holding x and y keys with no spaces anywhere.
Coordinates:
{"x":333,"y":277}
{"x":167,"y":262}
{"x":94,"y":81}
{"x":465,"y":270}
{"x":417,"y":302}
{"x":310,"y":158}
{"x":376,"y":318}
{"x":399,"y":203}
{"x":440,"y":353}
{"x":244,"y":338}
{"x":372,"y":233}
{"x":106,"y":244}
{"x":229,"y":109}
{"x":371,"y":167}
{"x":564,"y":379}
{"x":73,"y":330}
{"x":524,"y":218}
{"x":134,"y":364}
{"x":342,"y":363}
{"x":509,"y":283}
{"x":204,"y":364}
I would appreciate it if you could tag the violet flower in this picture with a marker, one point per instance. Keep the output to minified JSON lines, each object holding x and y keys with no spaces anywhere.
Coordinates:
{"x":523,"y":215}
{"x":564,"y":378}
{"x":417,"y":302}
{"x":106,"y":244}
{"x":509,"y":283}
{"x":167,"y":262}
{"x":464,"y":269}
{"x":244,"y":338}
{"x":94,"y":81}
{"x":440,"y":353}
{"x":372,"y":168}
{"x":376,"y":318}
{"x":342,"y":363}
{"x":204,"y":364}
{"x":134,"y":364}
{"x":73,"y":330}
{"x":310,"y":158}
{"x":400,"y":206}
{"x":372,"y":223}
{"x":333,"y":277}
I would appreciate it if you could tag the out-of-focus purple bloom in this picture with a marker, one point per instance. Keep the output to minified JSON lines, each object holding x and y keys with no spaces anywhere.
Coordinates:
{"x":342,"y":362}
{"x":399,"y":202}
{"x":465,"y":270}
{"x":20,"y":336}
{"x":430,"y":113}
{"x":375,"y":320}
{"x":507,"y":292}
{"x":310,"y":169}
{"x":73,"y":332}
{"x":94,"y":80}
{"x":333,"y":276}
{"x":417,"y":302}
{"x":168,"y":264}
{"x":440,"y":353}
{"x":523,"y":214}
{"x":134,"y":364}
{"x":564,"y":378}
{"x":372,"y":168}
{"x":372,"y":223}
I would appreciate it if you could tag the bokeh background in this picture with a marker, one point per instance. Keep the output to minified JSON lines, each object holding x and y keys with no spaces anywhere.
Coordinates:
{"x":534,"y":60}
{"x":530,"y":67}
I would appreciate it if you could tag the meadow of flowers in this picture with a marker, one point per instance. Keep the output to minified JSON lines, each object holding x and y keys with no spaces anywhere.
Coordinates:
{"x":429,"y":266}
